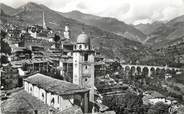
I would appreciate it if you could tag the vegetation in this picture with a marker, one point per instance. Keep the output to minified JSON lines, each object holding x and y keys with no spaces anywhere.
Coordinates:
{"x":158,"y":108}
{"x":127,"y":103}
{"x":179,"y":78}
{"x":4,"y":59}
{"x":5,"y":48}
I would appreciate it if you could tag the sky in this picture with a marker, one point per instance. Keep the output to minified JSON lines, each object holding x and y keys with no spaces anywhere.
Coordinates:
{"x":129,"y":11}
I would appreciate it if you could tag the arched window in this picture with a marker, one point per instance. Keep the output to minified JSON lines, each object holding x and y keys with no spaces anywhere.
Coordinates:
{"x":85,"y":57}
{"x":43,"y":96}
{"x":80,"y":46}
{"x":58,"y":99}
{"x":52,"y":101}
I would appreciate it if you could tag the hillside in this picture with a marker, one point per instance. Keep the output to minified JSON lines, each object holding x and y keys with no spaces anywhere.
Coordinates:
{"x":108,"y":24}
{"x":8,"y":10}
{"x":169,"y":32}
{"x":149,"y":28}
{"x":110,"y":44}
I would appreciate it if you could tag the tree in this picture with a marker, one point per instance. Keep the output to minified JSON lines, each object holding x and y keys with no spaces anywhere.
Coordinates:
{"x":126,"y":103}
{"x":56,"y":38}
{"x":5,"y":48}
{"x":4,"y":59}
{"x":158,"y":108}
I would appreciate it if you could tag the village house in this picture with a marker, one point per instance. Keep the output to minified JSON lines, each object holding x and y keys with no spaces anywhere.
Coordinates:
{"x":153,"y":97}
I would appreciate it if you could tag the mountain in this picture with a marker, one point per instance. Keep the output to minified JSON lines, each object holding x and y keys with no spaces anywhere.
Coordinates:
{"x":108,"y":24}
{"x":110,"y":45}
{"x":7,"y":9}
{"x":177,"y":20}
{"x":169,"y":32}
{"x":150,"y":27}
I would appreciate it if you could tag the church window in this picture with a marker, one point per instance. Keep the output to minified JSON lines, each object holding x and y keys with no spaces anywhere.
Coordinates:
{"x":58,"y":99}
{"x":75,"y":64}
{"x":52,"y":101}
{"x":51,"y":111}
{"x":36,"y":111}
{"x":42,"y":96}
{"x":85,"y":57}
{"x":86,"y":67}
{"x":80,"y":46}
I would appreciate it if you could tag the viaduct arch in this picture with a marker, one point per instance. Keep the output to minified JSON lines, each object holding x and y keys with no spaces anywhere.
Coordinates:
{"x":150,"y":69}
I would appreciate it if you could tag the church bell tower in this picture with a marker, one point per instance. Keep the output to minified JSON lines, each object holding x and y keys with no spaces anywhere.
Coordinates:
{"x":83,"y":64}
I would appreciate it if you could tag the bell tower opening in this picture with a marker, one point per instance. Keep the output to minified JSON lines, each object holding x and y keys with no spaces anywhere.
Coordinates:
{"x":85,"y":57}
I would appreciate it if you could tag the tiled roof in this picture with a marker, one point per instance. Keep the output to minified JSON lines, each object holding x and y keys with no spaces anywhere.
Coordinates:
{"x":56,"y":86}
{"x":23,"y":101}
{"x":29,"y":61}
{"x":18,"y":49}
{"x":154,"y":94}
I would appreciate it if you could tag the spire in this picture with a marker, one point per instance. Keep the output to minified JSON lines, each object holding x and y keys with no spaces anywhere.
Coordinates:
{"x":44,"y":23}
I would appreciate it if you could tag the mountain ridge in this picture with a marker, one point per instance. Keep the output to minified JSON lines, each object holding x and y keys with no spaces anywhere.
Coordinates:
{"x":7,"y":9}
{"x":110,"y":44}
{"x":108,"y":24}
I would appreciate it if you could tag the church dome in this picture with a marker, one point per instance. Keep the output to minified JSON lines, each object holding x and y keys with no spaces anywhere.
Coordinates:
{"x":83,"y":38}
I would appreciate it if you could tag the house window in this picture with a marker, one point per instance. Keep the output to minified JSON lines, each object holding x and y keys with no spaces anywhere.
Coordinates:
{"x":85,"y":57}
{"x":86,"y":79}
{"x":86,"y":67}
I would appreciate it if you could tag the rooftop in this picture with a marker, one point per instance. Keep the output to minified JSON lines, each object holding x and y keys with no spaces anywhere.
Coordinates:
{"x":23,"y":101}
{"x":154,"y":94}
{"x":56,"y":86}
{"x":28,"y":61}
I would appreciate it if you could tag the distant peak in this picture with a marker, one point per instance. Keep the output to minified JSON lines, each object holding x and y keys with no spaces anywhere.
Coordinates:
{"x":31,"y":6}
{"x":31,"y":3}
{"x":3,"y":5}
{"x":77,"y":11}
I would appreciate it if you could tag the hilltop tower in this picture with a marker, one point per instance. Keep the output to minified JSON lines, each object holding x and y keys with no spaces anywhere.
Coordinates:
{"x":83,"y":64}
{"x":43,"y":22}
{"x":67,"y":33}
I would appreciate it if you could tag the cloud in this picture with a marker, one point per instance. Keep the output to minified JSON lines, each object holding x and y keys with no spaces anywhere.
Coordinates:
{"x":81,"y":6}
{"x":130,"y":11}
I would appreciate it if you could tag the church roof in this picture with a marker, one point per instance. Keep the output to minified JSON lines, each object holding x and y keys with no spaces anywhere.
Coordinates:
{"x":83,"y":38}
{"x":53,"y":85}
{"x":20,"y":100}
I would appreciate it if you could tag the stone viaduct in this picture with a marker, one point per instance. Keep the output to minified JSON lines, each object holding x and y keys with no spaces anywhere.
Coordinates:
{"x":149,"y":69}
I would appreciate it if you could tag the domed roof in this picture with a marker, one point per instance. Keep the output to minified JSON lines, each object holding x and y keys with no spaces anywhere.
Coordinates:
{"x":83,"y":38}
